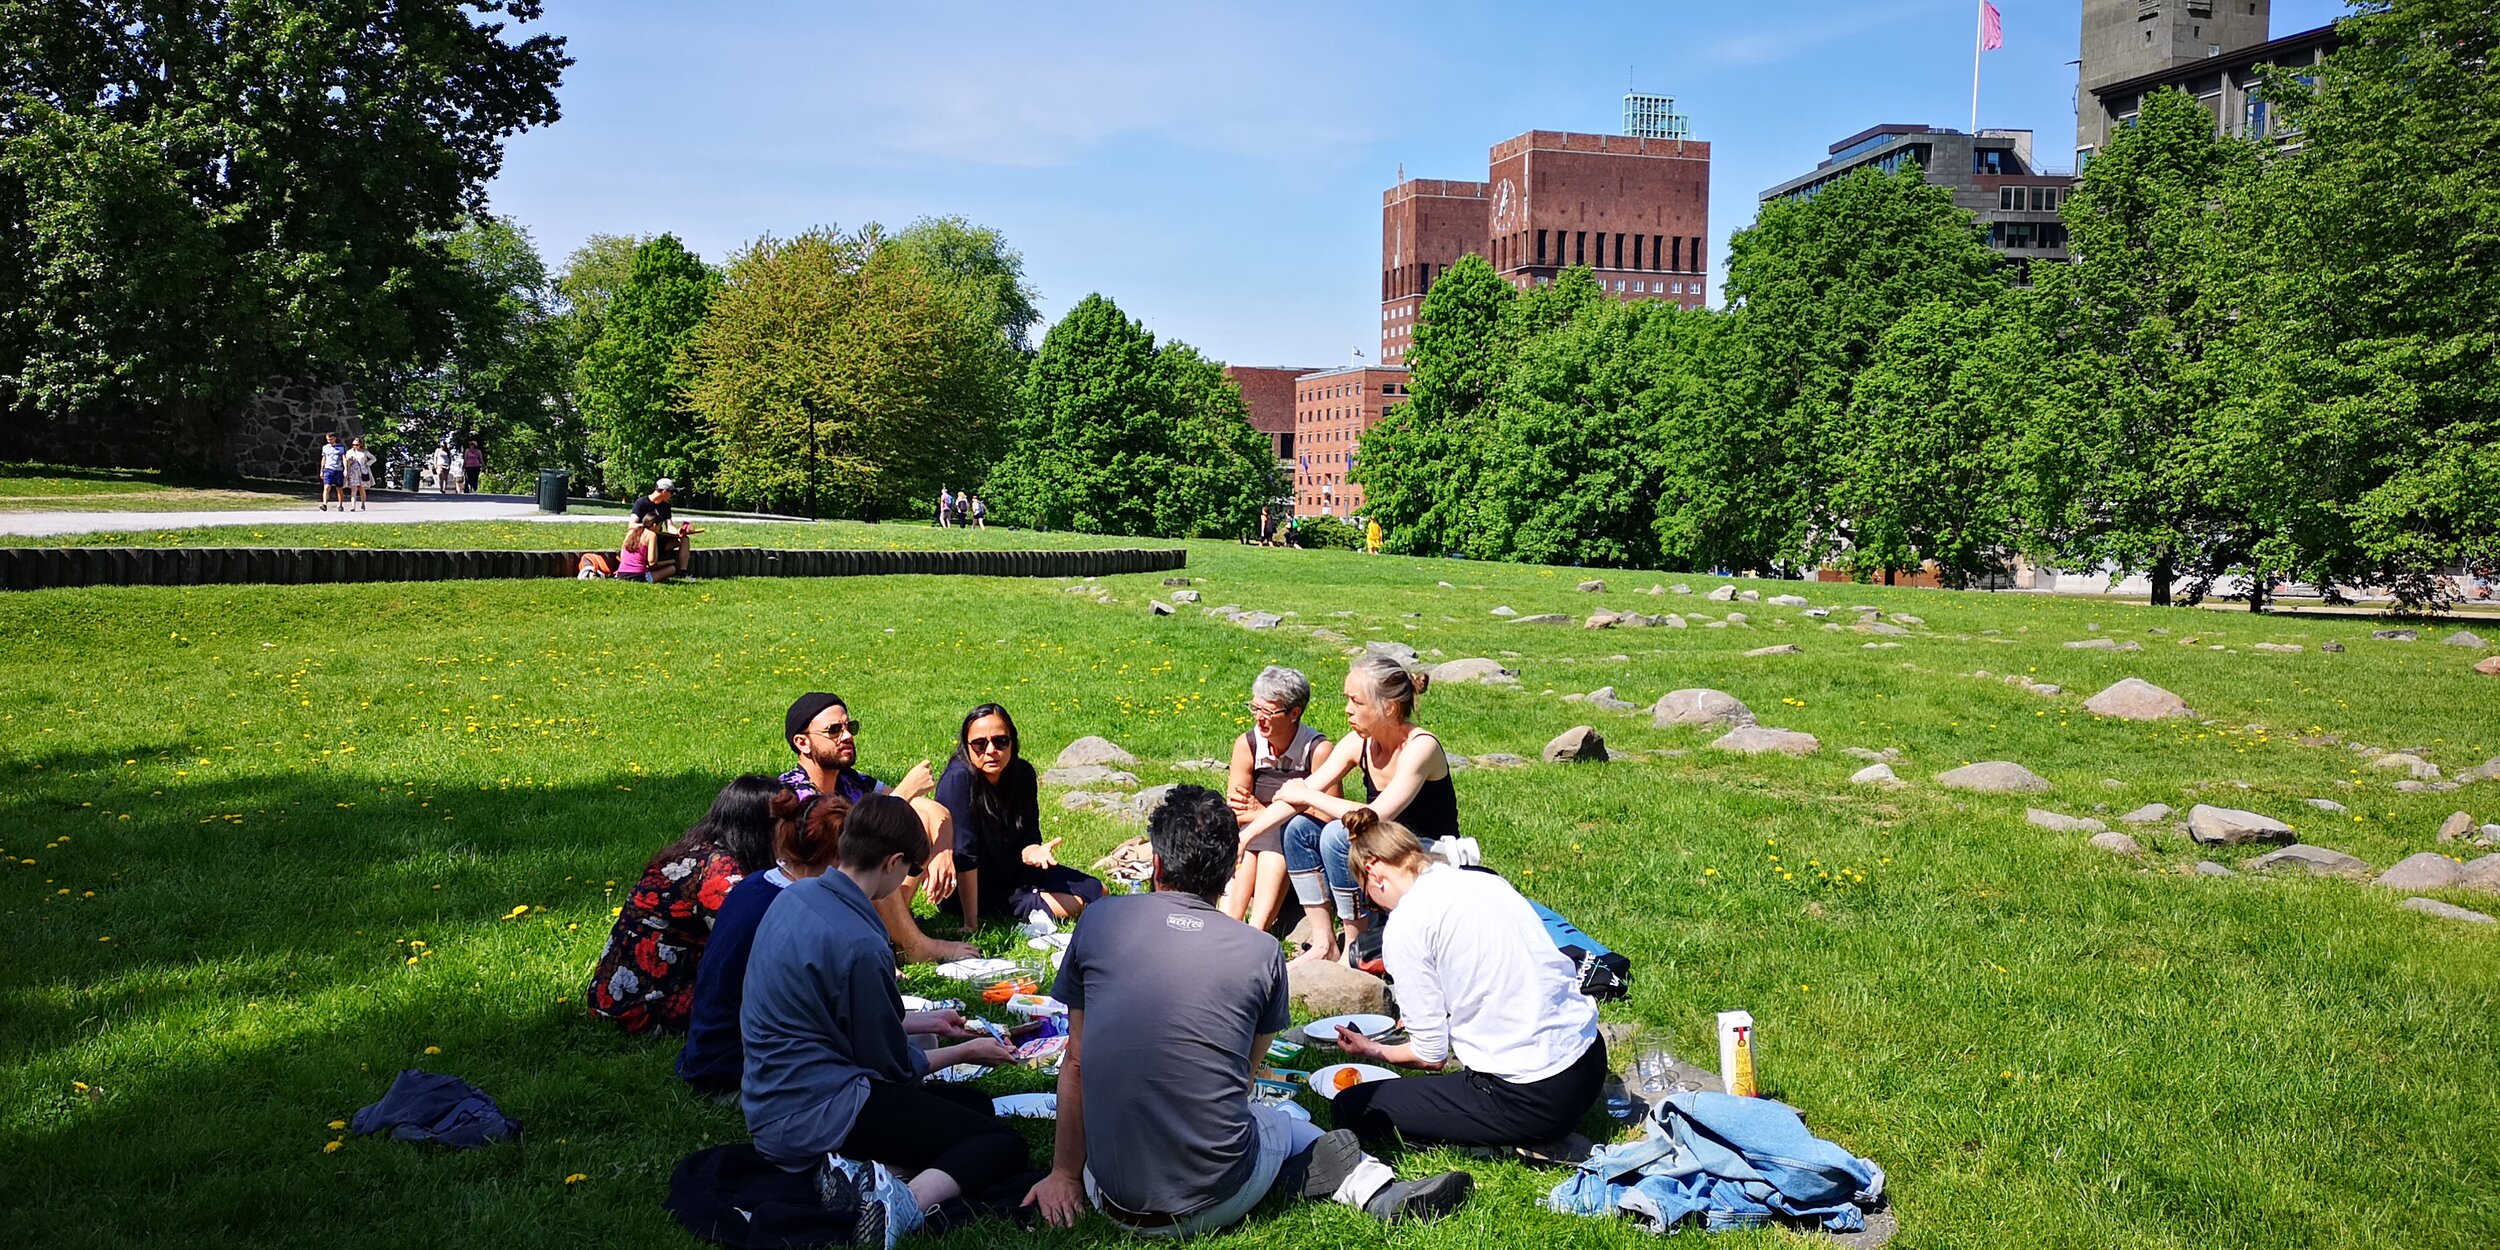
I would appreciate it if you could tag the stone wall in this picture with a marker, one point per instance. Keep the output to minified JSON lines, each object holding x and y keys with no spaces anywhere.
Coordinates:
{"x":276,"y":434}
{"x":279,"y":433}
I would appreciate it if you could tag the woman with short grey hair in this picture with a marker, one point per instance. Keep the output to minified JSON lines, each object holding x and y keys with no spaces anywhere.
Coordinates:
{"x":1278,"y":748}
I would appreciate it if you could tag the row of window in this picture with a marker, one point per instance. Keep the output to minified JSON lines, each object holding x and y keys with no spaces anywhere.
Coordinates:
{"x":2030,"y":199}
{"x":2027,"y":234}
{"x":1623,"y":286}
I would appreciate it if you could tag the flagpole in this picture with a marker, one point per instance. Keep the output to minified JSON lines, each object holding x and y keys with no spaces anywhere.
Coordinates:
{"x":1978,"y":40}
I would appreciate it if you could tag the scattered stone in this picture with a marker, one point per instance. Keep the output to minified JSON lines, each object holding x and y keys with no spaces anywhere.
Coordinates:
{"x":2230,"y":826}
{"x":1445,"y":586}
{"x":2136,"y":699}
{"x":2424,"y":870}
{"x":1680,"y":589}
{"x":1579,"y":744}
{"x":1500,"y":759}
{"x":2415,"y":766}
{"x":2116,"y":844}
{"x":1601,"y":620}
{"x":2481,"y":874}
{"x":2331,"y":648}
{"x":1875,"y":775}
{"x":1700,"y":707}
{"x":2327,"y":805}
{"x":1199,"y":766}
{"x":1994,"y":777}
{"x":1088,"y":775}
{"x":1881,"y":628}
{"x":2047,"y":689}
{"x":2092,"y":629}
{"x":1478,"y":670}
{"x":2318,"y":861}
{"x":2410,"y":786}
{"x":1541,"y":618}
{"x":1150,"y":798}
{"x":1723,"y":594}
{"x":2208,"y":868}
{"x":1670,"y":620}
{"x":2456,"y":826}
{"x":1881,"y":646}
{"x":1091,"y":749}
{"x":1817,"y":614}
{"x":2445,"y":911}
{"x":2489,"y":667}
{"x":1402,"y":653}
{"x":1593,"y":587}
{"x":1786,"y":648}
{"x":1075,"y":799}
{"x":1750,"y":596}
{"x":1329,"y":636}
{"x":1325,"y":987}
{"x":1604,"y":699}
{"x":1459,"y":763}
{"x":1904,"y":618}
{"x":1872,"y":756}
{"x":1159,"y":607}
{"x":1185,"y":596}
{"x":1225,"y":611}
{"x":1763,"y":740}
{"x":1787,"y":601}
{"x":1257,"y":620}
{"x":2396,"y":635}
{"x":2148,"y":814}
{"x":2059,"y":823}
{"x":2465,"y":638}
{"x":2103,"y":644}
{"x":1505,"y":610}
{"x":2277,"y":648}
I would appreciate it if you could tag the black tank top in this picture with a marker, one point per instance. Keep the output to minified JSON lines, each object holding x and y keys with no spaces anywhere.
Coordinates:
{"x":1432,"y":813}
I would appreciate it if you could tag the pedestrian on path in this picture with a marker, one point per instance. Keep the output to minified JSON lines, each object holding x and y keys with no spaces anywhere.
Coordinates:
{"x":980,"y":513}
{"x":333,"y":472}
{"x":946,"y":507}
{"x":472,"y":465}
{"x":359,"y":464}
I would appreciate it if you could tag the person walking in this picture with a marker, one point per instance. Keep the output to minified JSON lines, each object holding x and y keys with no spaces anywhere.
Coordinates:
{"x":472,"y":466}
{"x":946,"y":507}
{"x":980,"y":514}
{"x":446,"y":470}
{"x":333,"y":472}
{"x":963,"y":510}
{"x":359,"y":465}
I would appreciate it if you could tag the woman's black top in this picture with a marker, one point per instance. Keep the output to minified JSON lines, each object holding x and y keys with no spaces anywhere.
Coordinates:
{"x":1432,"y":813}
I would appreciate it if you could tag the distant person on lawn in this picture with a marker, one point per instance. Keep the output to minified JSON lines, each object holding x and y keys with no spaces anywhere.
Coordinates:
{"x":1003,"y":868}
{"x":1276,"y":749}
{"x":1480,"y":984}
{"x":821,"y":730}
{"x":946,"y":507}
{"x":644,"y":980}
{"x":832,"y":1082}
{"x":1406,"y":777}
{"x":1170,"y":1006}
{"x":359,"y":464}
{"x":672,"y":550}
{"x":333,"y":472}
{"x":980,"y":513}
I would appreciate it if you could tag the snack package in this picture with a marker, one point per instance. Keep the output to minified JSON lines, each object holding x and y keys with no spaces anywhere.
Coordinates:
{"x":1283,"y":1051}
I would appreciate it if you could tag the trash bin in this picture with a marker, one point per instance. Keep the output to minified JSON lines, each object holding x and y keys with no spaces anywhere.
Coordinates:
{"x":551,"y":490}
{"x":408,"y":479}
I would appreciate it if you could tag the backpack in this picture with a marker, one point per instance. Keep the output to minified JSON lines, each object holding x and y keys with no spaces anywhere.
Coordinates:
{"x":595,"y":566}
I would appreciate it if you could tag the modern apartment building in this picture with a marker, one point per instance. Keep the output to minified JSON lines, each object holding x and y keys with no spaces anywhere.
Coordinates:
{"x":2224,"y":81}
{"x":1991,"y":173}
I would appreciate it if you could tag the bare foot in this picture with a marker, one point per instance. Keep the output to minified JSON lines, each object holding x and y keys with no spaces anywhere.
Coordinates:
{"x":1312,"y":955}
{"x":933,"y":951}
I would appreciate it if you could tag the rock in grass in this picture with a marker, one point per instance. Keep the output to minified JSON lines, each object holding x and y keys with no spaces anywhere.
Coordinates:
{"x":1882,"y":628}
{"x":1763,"y":740}
{"x":1402,"y":653}
{"x":1593,"y":587}
{"x":2465,"y":638}
{"x":1604,"y":699}
{"x":2425,"y":870}
{"x":2134,"y":698}
{"x":2415,"y":766}
{"x":1185,"y":596}
{"x":1679,"y":589}
{"x":1994,"y":777}
{"x":1722,"y":595}
{"x":1737,"y":618}
{"x":2230,"y":826}
{"x":1601,"y":620}
{"x":1477,"y":670}
{"x":2094,"y":644}
{"x":2456,"y":826}
{"x":1088,"y":775}
{"x":1500,"y":759}
{"x":1700,"y":707}
{"x":1786,"y":648}
{"x":2116,"y":844}
{"x":2445,"y":911}
{"x":2277,"y":648}
{"x":1505,"y":610}
{"x":1159,"y":607}
{"x":1329,"y":988}
{"x":1579,"y":744}
{"x":2060,"y":822}
{"x":2208,"y":868}
{"x":2148,"y":814}
{"x":2315,"y":860}
{"x":1541,"y":618}
{"x":2489,"y":667}
{"x":2481,"y":874}
{"x":2396,"y":635}
{"x":2327,"y":805}
{"x":2331,"y":648}
{"x":1092,"y":750}
{"x":1875,"y":775}
{"x":1257,"y":620}
{"x":1787,"y":601}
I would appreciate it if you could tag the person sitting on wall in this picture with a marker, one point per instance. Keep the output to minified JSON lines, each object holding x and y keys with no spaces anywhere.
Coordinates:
{"x":1276,"y":749}
{"x":821,"y":730}
{"x":1003,"y":868}
{"x":672,"y":540}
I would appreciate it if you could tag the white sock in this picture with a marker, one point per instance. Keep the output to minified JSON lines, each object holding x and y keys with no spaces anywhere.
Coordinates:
{"x":1363,"y":1183}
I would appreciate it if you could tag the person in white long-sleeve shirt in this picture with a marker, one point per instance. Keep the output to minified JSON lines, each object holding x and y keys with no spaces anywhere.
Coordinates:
{"x":1481,"y":983}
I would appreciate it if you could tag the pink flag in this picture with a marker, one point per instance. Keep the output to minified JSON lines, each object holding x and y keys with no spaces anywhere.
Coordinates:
{"x":1991,"y":27}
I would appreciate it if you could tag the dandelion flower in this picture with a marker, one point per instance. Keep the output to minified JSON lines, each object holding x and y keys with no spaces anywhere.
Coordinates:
{"x":336,"y":1125}
{"x":332,"y":1147}
{"x":433,"y":1050}
{"x":576,"y":1178}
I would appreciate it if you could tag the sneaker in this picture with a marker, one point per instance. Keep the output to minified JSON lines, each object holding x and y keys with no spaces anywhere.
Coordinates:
{"x":840,"y":1186}
{"x":1332,"y":1159}
{"x":1421,"y":1201}
{"x":888,"y":1214}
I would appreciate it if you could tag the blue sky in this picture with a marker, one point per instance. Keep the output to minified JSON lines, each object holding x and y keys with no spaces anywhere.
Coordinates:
{"x":1216,"y":168}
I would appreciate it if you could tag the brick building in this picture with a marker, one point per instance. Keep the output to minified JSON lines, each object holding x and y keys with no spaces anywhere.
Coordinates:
{"x":1269,"y":391}
{"x":1634,"y":208}
{"x":1331,"y":410}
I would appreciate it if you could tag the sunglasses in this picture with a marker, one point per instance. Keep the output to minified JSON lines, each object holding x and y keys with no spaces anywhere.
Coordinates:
{"x":840,"y":729}
{"x":1003,"y":742}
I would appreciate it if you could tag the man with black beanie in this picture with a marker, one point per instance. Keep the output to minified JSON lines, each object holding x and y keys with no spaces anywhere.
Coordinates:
{"x":821,"y":731}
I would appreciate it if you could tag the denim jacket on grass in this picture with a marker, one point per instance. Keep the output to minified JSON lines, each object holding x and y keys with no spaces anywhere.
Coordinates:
{"x":1728,"y":1162}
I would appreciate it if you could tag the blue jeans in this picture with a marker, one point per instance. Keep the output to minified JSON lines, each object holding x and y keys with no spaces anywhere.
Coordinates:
{"x":1281,"y":1139}
{"x":1315,"y":858}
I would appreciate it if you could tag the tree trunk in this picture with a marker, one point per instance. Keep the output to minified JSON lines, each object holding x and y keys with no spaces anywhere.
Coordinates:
{"x":2258,"y":584}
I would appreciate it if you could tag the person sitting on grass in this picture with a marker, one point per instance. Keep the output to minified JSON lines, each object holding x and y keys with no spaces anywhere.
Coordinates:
{"x":820,"y":729}
{"x":633,"y":556}
{"x":1406,"y":777}
{"x":1276,"y":749}
{"x":645,"y":979}
{"x":832,"y":1081}
{"x":1003,"y":868}
{"x":713,"y":1059}
{"x":1170,"y":1003}
{"x":1479,"y":982}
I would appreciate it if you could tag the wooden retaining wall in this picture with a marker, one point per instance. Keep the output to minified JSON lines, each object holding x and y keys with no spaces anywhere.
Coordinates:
{"x":44,"y":568}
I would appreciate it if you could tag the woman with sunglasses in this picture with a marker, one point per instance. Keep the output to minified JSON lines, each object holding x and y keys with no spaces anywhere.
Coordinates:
{"x":1003,"y":868}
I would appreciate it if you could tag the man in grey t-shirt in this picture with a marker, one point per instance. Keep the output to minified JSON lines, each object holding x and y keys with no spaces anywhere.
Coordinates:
{"x":1168,"y":1002}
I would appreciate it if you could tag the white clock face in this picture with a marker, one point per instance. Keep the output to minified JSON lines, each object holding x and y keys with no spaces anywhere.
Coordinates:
{"x":1505,"y":207}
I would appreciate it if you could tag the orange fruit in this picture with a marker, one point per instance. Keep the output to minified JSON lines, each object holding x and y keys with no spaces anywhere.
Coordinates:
{"x":1348,"y":1078}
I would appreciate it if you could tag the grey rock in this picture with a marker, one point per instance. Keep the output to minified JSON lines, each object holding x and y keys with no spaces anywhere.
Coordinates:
{"x":2415,"y":766}
{"x":2317,"y":861}
{"x":1445,"y":586}
{"x":1593,"y":587}
{"x":1176,"y":581}
{"x":1604,"y":698}
{"x":1786,"y":648}
{"x":1700,"y":707}
{"x":1750,"y":596}
{"x":1329,"y":988}
{"x":1257,"y":620}
{"x":1601,"y":620}
{"x":1881,"y":629}
{"x":2331,"y":648}
{"x":2116,"y":844}
{"x":2410,"y":786}
{"x":2150,"y":813}
{"x":1475,"y":669}
{"x":1723,"y":594}
{"x":2277,"y":648}
{"x":1223,"y":611}
{"x":1579,"y":744}
{"x":2445,"y":911}
{"x":2327,"y":805}
{"x":1875,"y":775}
{"x":2465,"y":638}
{"x":2396,"y":635}
{"x":1185,"y":596}
{"x":2134,"y":698}
{"x":1459,"y":763}
{"x":1905,"y":618}
{"x":1075,"y":799}
{"x":2046,"y":689}
{"x":1088,"y":775}
{"x":2094,"y":644}
{"x":2230,"y":826}
{"x":2456,"y":826}
{"x":1873,"y":756}
{"x":1762,"y":740}
{"x":1541,"y":618}
{"x":1505,"y":610}
{"x":1881,"y":646}
{"x":1329,"y":636}
{"x":2423,"y":870}
{"x":1150,"y":798}
{"x":1994,"y":777}
{"x":2060,"y":823}
{"x":1679,"y":589}
{"x":1402,"y":653}
{"x":1670,"y":620}
{"x":1500,"y":759}
{"x":2208,"y":868}
{"x":1159,"y":607}
{"x":2481,"y":874}
{"x":1787,"y":601}
{"x":1817,"y":614}
{"x":1091,"y":749}
{"x":1199,"y":766}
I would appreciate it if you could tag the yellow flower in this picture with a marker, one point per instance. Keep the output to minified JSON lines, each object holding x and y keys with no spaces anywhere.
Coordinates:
{"x":80,"y":1086}
{"x":576,"y":1178}
{"x":336,"y":1125}
{"x":331,"y":1148}
{"x":433,"y":1050}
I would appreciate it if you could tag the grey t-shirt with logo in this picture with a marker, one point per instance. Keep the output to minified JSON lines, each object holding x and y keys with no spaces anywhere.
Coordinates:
{"x":1174,"y":993}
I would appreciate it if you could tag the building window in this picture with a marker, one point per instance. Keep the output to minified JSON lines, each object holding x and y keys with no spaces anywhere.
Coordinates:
{"x":1619,"y":253}
{"x":1679,"y":252}
{"x":2005,"y":199}
{"x":2253,"y":117}
{"x":1540,"y":247}
{"x":1640,"y":288}
{"x":1636,"y":252}
{"x":1579,"y":247}
{"x":1678,"y":288}
{"x":1618,"y":286}
{"x":1696,"y":256}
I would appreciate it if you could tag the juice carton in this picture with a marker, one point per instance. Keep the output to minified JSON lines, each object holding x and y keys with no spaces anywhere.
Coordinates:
{"x":1736,"y":1057}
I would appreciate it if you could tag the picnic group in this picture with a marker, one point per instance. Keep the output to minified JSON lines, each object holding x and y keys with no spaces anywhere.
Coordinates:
{"x":771,"y":933}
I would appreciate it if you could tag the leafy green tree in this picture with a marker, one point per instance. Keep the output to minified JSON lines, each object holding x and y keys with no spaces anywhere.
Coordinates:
{"x":206,"y":197}
{"x":635,"y":374}
{"x":1115,"y":436}
{"x":1417,"y":465}
{"x":591,"y":277}
{"x":2132,"y":461}
{"x":1812,"y":285}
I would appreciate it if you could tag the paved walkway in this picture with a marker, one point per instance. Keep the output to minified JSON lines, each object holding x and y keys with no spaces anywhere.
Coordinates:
{"x":383,"y":512}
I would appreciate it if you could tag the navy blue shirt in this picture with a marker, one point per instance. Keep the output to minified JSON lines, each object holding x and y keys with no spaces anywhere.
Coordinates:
{"x":713,"y":1057}
{"x":822,"y":1019}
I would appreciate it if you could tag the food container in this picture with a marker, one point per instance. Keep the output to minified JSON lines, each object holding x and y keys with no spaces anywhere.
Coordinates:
{"x":1736,"y":1053}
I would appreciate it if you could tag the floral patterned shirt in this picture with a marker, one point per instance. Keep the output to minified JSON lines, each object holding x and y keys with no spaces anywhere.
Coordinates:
{"x":645,"y":980}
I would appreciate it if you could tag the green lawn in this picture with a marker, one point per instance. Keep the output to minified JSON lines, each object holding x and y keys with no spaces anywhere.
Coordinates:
{"x":60,"y":488}
{"x":231,"y":813}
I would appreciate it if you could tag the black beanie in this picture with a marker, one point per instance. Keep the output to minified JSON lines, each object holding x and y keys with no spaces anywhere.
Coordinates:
{"x":803,"y":712}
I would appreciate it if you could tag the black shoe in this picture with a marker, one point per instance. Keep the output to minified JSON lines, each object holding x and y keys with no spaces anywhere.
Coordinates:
{"x":1332,"y":1159}
{"x":1421,"y":1201}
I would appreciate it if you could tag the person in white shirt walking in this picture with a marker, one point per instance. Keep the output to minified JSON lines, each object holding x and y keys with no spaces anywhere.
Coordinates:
{"x":1479,"y":982}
